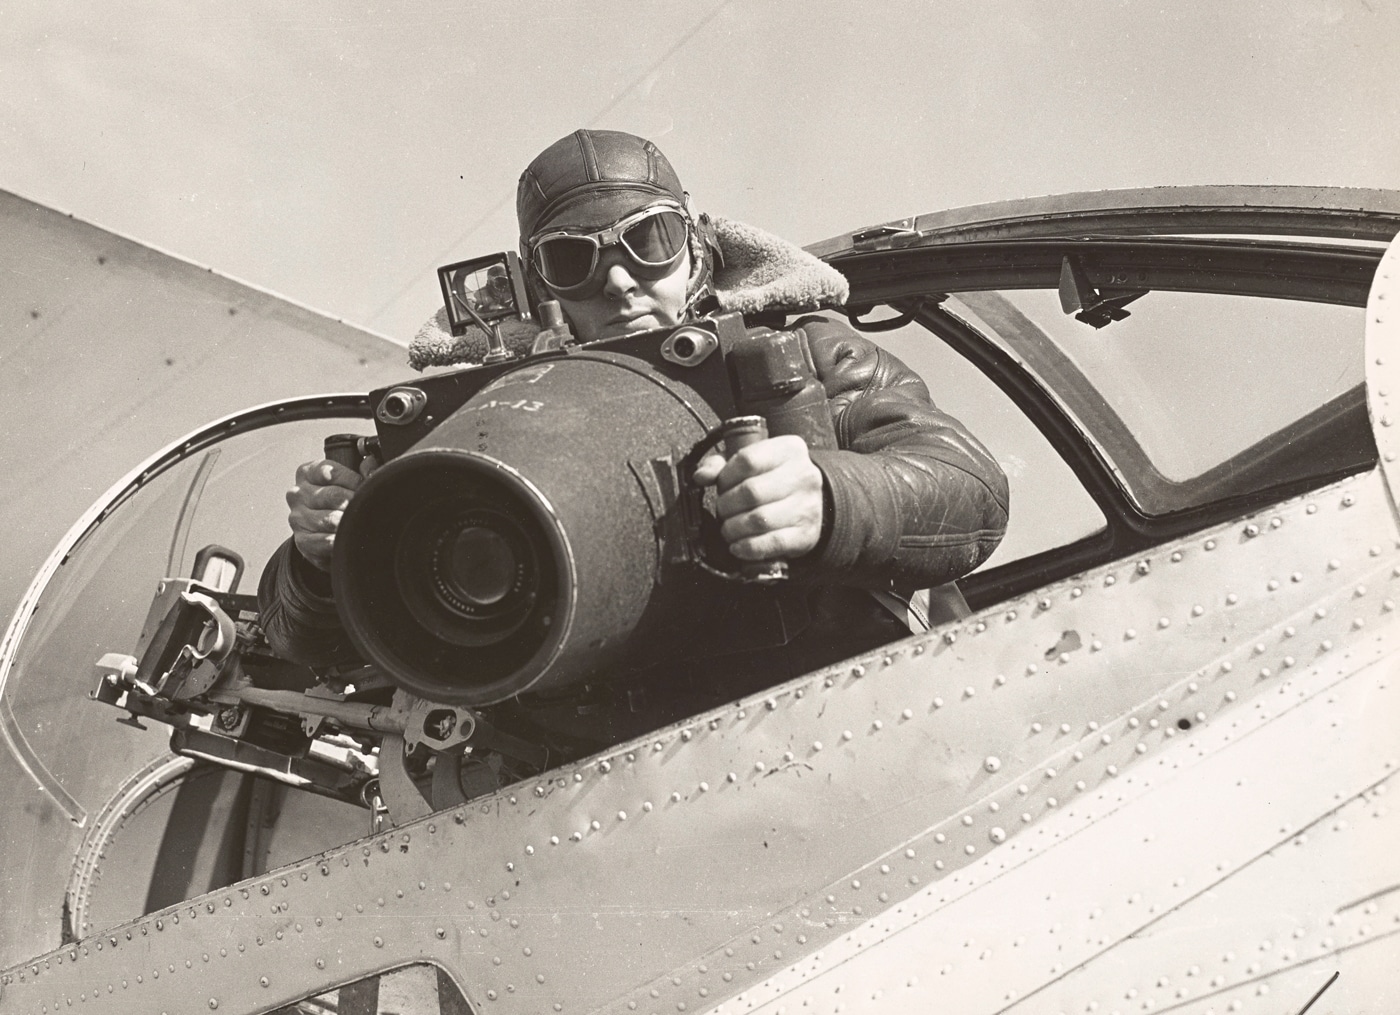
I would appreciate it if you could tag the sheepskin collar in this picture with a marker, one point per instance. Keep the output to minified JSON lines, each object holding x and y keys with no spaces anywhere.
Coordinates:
{"x":757,"y":271}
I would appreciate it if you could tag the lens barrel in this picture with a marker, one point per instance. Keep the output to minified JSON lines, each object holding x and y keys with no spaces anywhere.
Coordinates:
{"x":447,"y":576}
{"x":516,"y":546}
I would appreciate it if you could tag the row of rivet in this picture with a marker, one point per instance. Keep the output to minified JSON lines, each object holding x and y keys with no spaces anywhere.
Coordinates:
{"x":384,"y":844}
{"x":801,"y":939}
{"x":858,"y":671}
{"x":1341,"y":671}
{"x":1133,"y":722}
{"x":1231,"y":599}
{"x":1191,"y":687}
{"x":266,"y":889}
{"x":1178,"y":883}
{"x":1249,"y":972}
{"x":440,"y":931}
{"x":1382,"y":285}
{"x":1287,"y":661}
{"x":993,"y":763}
{"x":72,"y":951}
{"x":603,"y":767}
{"x":227,"y":901}
{"x":1143,"y":568}
{"x":997,"y":834}
{"x":1249,"y":530}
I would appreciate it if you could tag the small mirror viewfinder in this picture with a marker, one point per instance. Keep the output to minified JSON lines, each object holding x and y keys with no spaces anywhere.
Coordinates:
{"x":484,"y":290}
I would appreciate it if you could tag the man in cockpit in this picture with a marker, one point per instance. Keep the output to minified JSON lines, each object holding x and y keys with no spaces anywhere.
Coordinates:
{"x":909,"y":501}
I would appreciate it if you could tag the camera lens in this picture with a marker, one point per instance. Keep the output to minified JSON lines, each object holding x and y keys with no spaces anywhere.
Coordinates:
{"x":467,"y":571}
{"x":477,"y":565}
{"x":449,"y":578}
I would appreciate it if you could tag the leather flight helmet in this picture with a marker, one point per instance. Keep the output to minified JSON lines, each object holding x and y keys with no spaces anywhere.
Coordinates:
{"x":592,"y":178}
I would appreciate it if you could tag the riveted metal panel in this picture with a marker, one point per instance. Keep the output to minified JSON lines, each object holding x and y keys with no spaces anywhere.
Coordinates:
{"x":1383,"y":363}
{"x":1228,"y":862}
{"x":1286,"y":914}
{"x":690,"y":867}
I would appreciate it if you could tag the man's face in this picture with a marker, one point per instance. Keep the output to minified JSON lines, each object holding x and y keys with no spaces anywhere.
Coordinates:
{"x":626,"y":303}
{"x":621,"y":295}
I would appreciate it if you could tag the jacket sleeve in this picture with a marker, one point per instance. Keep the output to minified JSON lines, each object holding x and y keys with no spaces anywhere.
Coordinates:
{"x":297,"y":612}
{"x":915,"y":500}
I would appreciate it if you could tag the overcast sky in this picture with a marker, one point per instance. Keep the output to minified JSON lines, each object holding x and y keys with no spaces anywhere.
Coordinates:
{"x":337,"y":152}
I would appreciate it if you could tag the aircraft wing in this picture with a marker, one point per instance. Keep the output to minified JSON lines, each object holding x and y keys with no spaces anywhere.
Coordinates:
{"x":111,"y":350}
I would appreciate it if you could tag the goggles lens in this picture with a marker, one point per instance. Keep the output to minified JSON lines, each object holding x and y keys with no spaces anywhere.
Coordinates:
{"x":652,"y":240}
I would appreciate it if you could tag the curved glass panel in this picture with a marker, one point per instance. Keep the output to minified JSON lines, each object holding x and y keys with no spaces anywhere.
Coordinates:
{"x":1196,"y":397}
{"x":73,"y":770}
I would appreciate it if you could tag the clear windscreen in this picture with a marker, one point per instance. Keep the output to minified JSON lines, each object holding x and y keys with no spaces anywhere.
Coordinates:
{"x":71,"y":768}
{"x":1194,"y":397}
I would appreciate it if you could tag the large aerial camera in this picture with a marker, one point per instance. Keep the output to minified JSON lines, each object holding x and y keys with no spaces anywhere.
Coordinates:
{"x":531,"y":526}
{"x":535,"y":514}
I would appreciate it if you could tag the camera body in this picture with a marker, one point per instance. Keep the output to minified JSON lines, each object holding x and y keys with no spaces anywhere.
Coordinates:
{"x":534,"y":517}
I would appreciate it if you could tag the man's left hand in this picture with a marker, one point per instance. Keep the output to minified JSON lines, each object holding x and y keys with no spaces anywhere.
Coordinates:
{"x":770,"y":498}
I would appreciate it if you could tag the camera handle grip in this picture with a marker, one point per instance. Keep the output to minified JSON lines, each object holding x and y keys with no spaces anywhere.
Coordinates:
{"x":739,"y":433}
{"x":733,"y":435}
{"x":349,"y":449}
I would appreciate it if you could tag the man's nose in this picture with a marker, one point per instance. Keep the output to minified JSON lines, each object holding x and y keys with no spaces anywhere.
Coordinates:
{"x":617,"y":277}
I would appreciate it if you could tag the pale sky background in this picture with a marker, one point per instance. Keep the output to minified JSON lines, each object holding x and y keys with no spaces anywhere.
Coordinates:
{"x":337,"y":152}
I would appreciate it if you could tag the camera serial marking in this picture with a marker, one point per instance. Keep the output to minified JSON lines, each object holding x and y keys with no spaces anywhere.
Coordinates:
{"x":523,"y":404}
{"x":524,"y":375}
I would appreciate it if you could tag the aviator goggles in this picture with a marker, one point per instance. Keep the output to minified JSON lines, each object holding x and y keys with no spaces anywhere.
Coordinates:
{"x":653,"y":240}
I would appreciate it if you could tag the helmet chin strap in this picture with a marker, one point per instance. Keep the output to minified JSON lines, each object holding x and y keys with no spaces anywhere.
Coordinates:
{"x":704,"y":255}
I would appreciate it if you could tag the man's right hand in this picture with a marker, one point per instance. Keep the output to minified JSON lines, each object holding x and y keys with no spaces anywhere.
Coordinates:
{"x":318,"y":502}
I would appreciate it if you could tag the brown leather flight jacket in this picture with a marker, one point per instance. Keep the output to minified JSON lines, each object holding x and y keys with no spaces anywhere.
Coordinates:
{"x":913,"y":501}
